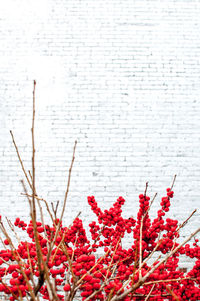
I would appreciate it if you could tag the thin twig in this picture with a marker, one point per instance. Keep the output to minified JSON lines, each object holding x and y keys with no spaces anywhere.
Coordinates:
{"x":185,"y":222}
{"x":112,"y":257}
{"x":173,"y":182}
{"x":33,"y":206}
{"x":20,"y":160}
{"x":172,"y":293}
{"x":181,"y":226}
{"x":150,"y":205}
{"x":147,"y":297}
{"x":68,"y":184}
{"x":30,"y":175}
{"x":169,"y":280}
{"x":30,"y":265}
{"x":63,"y":237}
{"x":13,"y":230}
{"x":145,"y":192}
{"x":33,"y":154}
{"x":65,"y":198}
{"x":42,"y":219}
{"x":140,"y":249}
{"x":153,"y":251}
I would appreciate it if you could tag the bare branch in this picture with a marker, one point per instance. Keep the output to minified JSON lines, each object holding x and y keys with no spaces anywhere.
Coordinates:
{"x":140,"y":249}
{"x":65,"y":199}
{"x":169,"y":280}
{"x":173,"y":182}
{"x":172,"y":293}
{"x":150,"y":204}
{"x":145,"y":192}
{"x":185,"y":222}
{"x":151,"y":290}
{"x":20,"y":160}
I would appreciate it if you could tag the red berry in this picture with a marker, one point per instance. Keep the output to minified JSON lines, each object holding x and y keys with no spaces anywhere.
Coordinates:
{"x":66,"y":287}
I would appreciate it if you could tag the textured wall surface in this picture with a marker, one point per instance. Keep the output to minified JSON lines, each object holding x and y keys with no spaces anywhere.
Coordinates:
{"x":121,"y":77}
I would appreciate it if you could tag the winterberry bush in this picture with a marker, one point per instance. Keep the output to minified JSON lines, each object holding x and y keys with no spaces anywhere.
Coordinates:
{"x":58,"y":262}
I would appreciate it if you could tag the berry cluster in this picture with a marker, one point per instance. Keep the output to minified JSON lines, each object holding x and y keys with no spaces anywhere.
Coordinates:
{"x":77,"y":267}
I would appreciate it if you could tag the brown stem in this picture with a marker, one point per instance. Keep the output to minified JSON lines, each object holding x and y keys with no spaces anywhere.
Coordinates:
{"x":173,"y":182}
{"x":20,"y":160}
{"x":65,"y":198}
{"x":140,"y":249}
{"x":185,"y":222}
{"x":172,"y":293}
{"x":33,"y":206}
{"x":149,"y":294}
{"x":33,"y":154}
{"x":145,"y":192}
{"x":150,"y":204}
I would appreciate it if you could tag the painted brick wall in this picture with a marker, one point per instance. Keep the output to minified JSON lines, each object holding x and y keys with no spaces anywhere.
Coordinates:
{"x":121,"y":77}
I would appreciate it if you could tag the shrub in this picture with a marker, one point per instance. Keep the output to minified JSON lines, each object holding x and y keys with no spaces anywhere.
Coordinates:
{"x":56,"y":262}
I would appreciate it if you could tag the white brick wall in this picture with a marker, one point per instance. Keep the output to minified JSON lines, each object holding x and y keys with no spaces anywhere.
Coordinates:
{"x":122,"y":77}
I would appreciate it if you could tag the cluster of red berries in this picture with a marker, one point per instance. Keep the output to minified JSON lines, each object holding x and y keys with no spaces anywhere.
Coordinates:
{"x":20,"y":223}
{"x":75,"y":258}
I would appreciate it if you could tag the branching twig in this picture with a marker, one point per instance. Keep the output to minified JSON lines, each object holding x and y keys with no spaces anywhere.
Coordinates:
{"x":65,"y":199}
